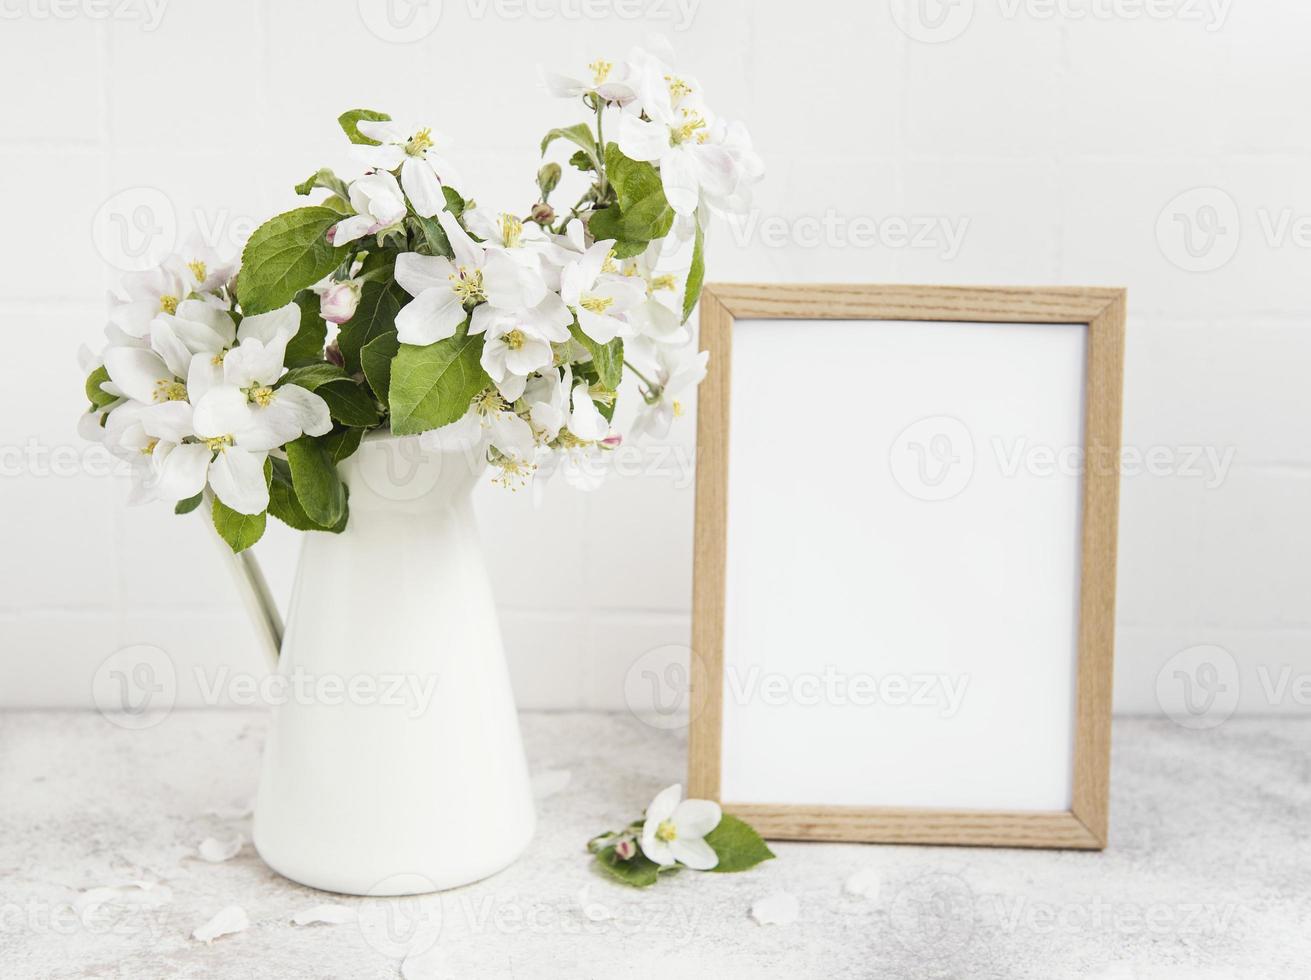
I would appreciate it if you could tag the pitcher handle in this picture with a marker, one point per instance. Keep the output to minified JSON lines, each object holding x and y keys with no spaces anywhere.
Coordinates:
{"x":253,"y":588}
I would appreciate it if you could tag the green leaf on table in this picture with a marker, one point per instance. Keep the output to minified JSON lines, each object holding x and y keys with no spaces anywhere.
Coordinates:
{"x":318,"y":488}
{"x":375,"y":316}
{"x":326,"y":180}
{"x":376,"y":359}
{"x":286,"y":254}
{"x":286,"y":506}
{"x":240,"y":531}
{"x":737,"y":845}
{"x":350,"y":124}
{"x":306,"y":347}
{"x":99,"y":397}
{"x":188,"y":505}
{"x":608,"y":358}
{"x":639,"y":870}
{"x":432,"y":386}
{"x":580,"y":135}
{"x":696,"y":275}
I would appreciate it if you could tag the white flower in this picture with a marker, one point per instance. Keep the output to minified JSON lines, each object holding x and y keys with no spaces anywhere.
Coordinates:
{"x":413,"y":150}
{"x":338,"y":301}
{"x":659,"y":315}
{"x":489,"y":423}
{"x":678,"y":135}
{"x":203,"y":270}
{"x":442,"y":288}
{"x":675,"y":371}
{"x":586,"y":420}
{"x":674,"y":831}
{"x":607,"y":79}
{"x":547,"y":396}
{"x":148,"y":294}
{"x":590,"y":287}
{"x":378,"y":204}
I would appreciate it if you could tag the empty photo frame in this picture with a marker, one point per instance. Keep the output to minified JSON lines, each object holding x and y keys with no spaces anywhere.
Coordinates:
{"x":905,"y":562}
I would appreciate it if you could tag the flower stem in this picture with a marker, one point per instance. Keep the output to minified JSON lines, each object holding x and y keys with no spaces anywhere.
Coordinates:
{"x":653,"y":390}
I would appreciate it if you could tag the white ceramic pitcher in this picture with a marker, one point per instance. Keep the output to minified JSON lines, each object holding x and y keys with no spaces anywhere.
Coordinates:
{"x":394,"y":763}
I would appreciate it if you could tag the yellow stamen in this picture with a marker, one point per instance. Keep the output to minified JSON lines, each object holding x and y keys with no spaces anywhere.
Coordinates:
{"x":597,"y":304}
{"x":219,"y":443}
{"x":198,"y":269}
{"x":170,"y":391}
{"x":488,"y":402}
{"x":677,"y":87}
{"x":420,"y":143}
{"x":515,"y":339}
{"x":511,"y":230}
{"x":149,"y":447}
{"x":600,"y":71}
{"x":692,"y":122}
{"x":168,"y":304}
{"x":468,"y":285}
{"x":678,"y":409}
{"x":663,"y":282}
{"x":262,"y":396}
{"x":609,"y":264}
{"x":666,"y":831}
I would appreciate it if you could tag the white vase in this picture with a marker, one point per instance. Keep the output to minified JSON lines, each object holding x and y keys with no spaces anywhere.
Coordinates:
{"x":394,"y":763}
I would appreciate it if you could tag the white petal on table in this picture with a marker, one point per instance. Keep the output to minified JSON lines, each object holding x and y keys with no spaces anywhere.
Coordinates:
{"x":864,"y":883}
{"x":778,"y":909}
{"x":548,"y":782}
{"x":216,"y":851}
{"x":226,"y":922}
{"x":333,"y":915}
{"x":145,"y":893}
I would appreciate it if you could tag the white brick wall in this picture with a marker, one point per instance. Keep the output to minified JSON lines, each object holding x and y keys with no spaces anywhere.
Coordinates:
{"x":1053,"y":136}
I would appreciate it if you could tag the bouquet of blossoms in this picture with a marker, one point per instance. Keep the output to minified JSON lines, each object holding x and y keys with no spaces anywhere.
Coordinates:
{"x":397,"y":303}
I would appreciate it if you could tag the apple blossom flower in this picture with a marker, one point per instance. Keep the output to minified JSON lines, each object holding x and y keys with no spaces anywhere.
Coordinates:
{"x":675,"y":829}
{"x":378,"y":204}
{"x":146,"y":295}
{"x":591,"y":287}
{"x":659,"y":315}
{"x":413,"y":150}
{"x":547,"y":396}
{"x":675,"y":371}
{"x":442,"y":289}
{"x":607,"y":79}
{"x":338,"y":300}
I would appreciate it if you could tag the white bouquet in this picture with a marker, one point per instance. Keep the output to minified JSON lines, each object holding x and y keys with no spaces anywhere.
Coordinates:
{"x":506,"y":331}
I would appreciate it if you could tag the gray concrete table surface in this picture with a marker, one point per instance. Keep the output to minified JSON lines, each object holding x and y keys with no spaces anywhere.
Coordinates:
{"x":1208,"y":874}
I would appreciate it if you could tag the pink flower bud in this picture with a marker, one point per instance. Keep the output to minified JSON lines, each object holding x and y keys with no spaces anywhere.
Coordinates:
{"x":338,"y":301}
{"x":612,"y":442}
{"x":626,"y":849}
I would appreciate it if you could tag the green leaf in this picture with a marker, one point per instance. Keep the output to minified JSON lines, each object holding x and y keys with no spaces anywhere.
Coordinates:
{"x":284,"y":505}
{"x":639,"y":870}
{"x":307,"y":346}
{"x":342,"y":443}
{"x":432,"y":386}
{"x":350,"y":122}
{"x":582,"y":161}
{"x":99,"y":397}
{"x":429,"y":236}
{"x":349,"y":403}
{"x":646,"y":214}
{"x":696,"y":275}
{"x":312,"y":376}
{"x":286,"y":254}
{"x":240,"y":531}
{"x":314,"y":478}
{"x":608,"y":223}
{"x":454,"y":202}
{"x":325,"y":179}
{"x":737,"y":845}
{"x":608,"y":358}
{"x":375,"y":316}
{"x":581,"y":136}
{"x":376,"y":360}
{"x":188,"y":505}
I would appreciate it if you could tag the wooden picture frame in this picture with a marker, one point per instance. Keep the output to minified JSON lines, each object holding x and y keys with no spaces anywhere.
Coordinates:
{"x":1102,"y":310}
